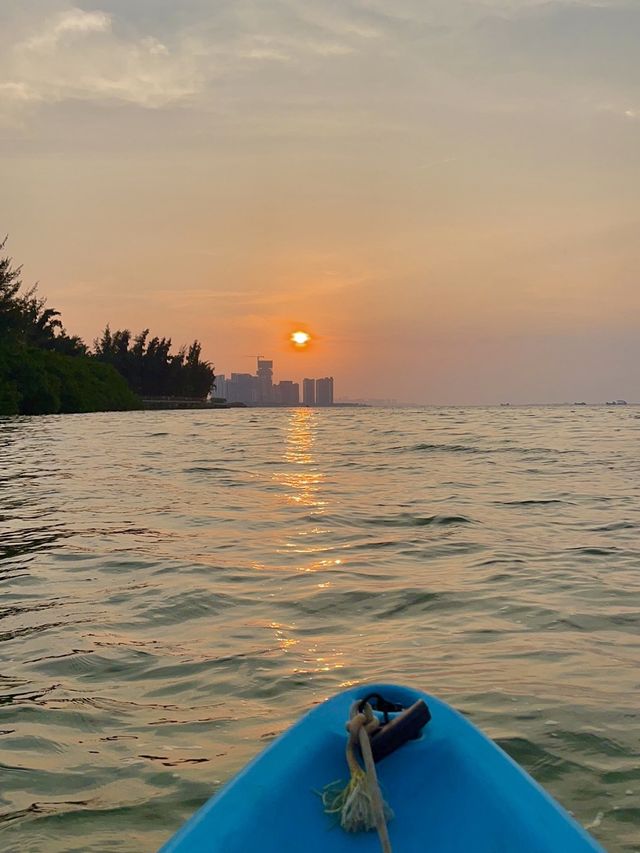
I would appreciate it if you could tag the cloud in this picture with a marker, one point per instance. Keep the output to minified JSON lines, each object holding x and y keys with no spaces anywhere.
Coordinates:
{"x":78,"y":55}
{"x":288,"y":62}
{"x":97,"y":55}
{"x":73,"y":21}
{"x":16,"y":93}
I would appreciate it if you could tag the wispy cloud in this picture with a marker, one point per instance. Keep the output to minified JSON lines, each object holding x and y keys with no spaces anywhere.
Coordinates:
{"x":239,"y":299}
{"x":154,"y":55}
{"x":71,"y":22}
{"x":78,"y":55}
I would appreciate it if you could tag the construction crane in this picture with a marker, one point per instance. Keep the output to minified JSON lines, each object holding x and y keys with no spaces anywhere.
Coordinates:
{"x":257,"y":358}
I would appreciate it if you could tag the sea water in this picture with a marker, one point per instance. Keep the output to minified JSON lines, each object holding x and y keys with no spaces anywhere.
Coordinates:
{"x":176,"y":588}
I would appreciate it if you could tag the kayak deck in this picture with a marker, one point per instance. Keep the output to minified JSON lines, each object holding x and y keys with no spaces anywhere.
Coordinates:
{"x":451,"y":790}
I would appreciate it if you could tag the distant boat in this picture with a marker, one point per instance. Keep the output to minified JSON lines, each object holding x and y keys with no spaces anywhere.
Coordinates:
{"x":617,"y":403}
{"x":580,"y":404}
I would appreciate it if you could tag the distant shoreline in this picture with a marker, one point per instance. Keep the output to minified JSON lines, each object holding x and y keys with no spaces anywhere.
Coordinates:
{"x":172,"y":403}
{"x":159,"y":405}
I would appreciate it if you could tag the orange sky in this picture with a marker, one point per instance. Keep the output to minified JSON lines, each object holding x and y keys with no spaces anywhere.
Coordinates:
{"x":446,"y":194}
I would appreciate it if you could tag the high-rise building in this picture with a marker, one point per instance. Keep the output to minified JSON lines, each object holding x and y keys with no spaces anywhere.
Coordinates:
{"x":309,"y":392}
{"x":287,"y":393}
{"x":324,"y":391}
{"x":220,"y":389}
{"x":242,"y":388}
{"x":260,"y":389}
{"x":265,"y":381}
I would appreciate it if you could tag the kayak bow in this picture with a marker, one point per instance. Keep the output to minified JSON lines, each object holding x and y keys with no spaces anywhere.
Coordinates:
{"x":452,"y":790}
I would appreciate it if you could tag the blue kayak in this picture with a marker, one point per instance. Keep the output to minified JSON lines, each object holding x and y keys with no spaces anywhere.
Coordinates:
{"x":451,"y":789}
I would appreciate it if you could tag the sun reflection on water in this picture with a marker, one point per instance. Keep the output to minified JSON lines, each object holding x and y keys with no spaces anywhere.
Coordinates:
{"x":318,"y":660}
{"x":309,"y":659}
{"x":302,"y":498}
{"x":303,"y":485}
{"x":283,"y":636}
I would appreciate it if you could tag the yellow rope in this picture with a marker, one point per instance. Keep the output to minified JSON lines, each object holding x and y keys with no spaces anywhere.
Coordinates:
{"x":360,"y":804}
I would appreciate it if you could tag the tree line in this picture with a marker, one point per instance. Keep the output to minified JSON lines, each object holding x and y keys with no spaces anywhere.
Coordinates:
{"x":44,"y":369}
{"x":149,"y":367}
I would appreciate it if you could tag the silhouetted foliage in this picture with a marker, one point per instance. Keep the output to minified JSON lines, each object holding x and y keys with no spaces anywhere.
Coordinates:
{"x":43,"y":370}
{"x":150,"y":368}
{"x":25,"y":317}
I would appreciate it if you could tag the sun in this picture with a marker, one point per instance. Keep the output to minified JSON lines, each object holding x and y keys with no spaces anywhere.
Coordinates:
{"x":300,"y":339}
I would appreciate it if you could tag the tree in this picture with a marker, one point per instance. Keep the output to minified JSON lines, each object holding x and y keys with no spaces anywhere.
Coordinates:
{"x":44,"y":370}
{"x":25,"y":316}
{"x":10,"y":284}
{"x":151,"y":369}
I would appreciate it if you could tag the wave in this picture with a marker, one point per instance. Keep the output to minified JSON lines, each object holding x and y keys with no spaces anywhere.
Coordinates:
{"x":593,"y":552}
{"x":208,"y":469}
{"x":546,"y":453}
{"x":442,"y":448}
{"x":615,"y":526}
{"x":408,"y":520}
{"x":533,"y":502}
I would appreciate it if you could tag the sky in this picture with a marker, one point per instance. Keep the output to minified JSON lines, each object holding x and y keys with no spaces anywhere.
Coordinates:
{"x":445,"y":193}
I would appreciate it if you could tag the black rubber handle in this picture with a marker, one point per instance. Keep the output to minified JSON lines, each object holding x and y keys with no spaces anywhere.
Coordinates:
{"x":407,"y":725}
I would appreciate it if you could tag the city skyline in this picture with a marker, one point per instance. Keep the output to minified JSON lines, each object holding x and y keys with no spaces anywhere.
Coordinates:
{"x":259,"y":389}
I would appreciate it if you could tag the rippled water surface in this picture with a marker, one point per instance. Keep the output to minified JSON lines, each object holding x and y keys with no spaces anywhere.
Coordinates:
{"x":177,"y":587}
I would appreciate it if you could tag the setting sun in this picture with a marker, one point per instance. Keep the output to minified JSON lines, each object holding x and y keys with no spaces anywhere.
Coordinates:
{"x":300,"y":339}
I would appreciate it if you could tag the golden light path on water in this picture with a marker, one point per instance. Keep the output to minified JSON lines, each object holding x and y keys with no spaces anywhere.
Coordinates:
{"x":303,"y":485}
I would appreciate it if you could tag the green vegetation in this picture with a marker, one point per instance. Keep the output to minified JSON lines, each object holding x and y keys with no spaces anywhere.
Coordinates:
{"x":44,"y":370}
{"x":149,"y":367}
{"x":39,"y":382}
